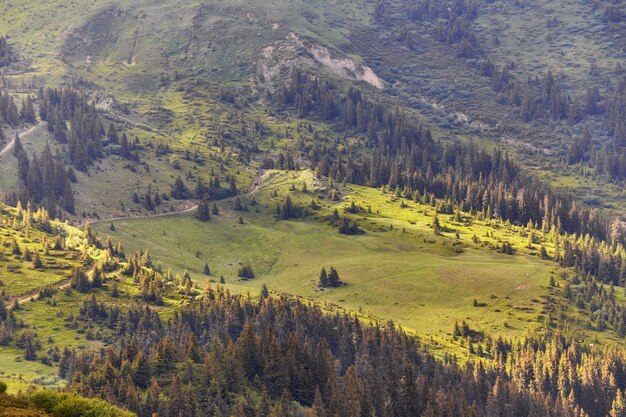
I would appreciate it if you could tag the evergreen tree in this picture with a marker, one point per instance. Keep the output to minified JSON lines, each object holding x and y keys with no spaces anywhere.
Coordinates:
{"x":333,"y":278}
{"x":264,"y":292}
{"x":323,"y":280}
{"x":202,"y":212}
{"x":37,"y":263}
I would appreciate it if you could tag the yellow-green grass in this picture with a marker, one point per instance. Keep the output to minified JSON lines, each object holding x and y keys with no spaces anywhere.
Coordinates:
{"x":24,"y":279}
{"x":50,"y":323}
{"x":19,"y":276}
{"x":391,"y":274}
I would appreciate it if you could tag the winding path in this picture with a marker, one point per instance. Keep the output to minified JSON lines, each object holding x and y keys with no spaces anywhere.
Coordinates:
{"x":33,"y":294}
{"x":146,"y":216}
{"x":7,"y":148}
{"x":61,"y":285}
{"x":255,"y":187}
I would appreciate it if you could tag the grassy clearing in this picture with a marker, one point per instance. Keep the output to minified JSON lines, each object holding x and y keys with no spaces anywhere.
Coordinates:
{"x":410,"y":275}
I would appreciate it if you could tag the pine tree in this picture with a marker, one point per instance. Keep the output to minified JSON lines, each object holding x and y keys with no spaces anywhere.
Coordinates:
{"x":37,"y":263}
{"x":264,"y":292}
{"x":3,"y":309}
{"x":96,"y":281}
{"x":79,"y":280}
{"x":141,"y":370}
{"x":202,"y":212}
{"x":618,"y":408}
{"x":323,"y":280}
{"x":18,"y":148}
{"x":333,"y":278}
{"x":114,"y":290}
{"x":179,"y":189}
{"x":436,"y":225}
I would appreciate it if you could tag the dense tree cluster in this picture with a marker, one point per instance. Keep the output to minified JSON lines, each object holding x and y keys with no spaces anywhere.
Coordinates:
{"x":43,"y":181}
{"x":9,"y":113}
{"x":405,"y":157}
{"x":539,"y":97}
{"x":150,"y":282}
{"x":605,"y":261}
{"x":330,"y":279}
{"x":290,"y":210}
{"x":284,"y":160}
{"x":349,"y":227}
{"x":246,"y":272}
{"x":214,"y":189}
{"x":232,"y":355}
{"x":84,"y":135}
{"x":79,"y":281}
{"x":203,"y":212}
{"x":7,"y":55}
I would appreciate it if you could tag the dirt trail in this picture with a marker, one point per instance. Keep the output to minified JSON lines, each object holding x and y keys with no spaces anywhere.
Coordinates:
{"x":186,"y":208}
{"x":32,"y":295}
{"x":7,"y":148}
{"x":61,"y":285}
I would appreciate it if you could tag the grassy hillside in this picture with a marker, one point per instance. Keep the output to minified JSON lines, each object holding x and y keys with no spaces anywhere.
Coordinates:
{"x":44,"y":307}
{"x":161,"y":69}
{"x":199,"y":78}
{"x":398,"y":269}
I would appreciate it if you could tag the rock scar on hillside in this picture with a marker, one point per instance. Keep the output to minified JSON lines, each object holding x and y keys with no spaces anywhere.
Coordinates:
{"x":342,"y":66}
{"x":283,"y":54}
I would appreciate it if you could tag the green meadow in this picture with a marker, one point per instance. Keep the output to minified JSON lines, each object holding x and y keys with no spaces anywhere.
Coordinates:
{"x":398,"y":269}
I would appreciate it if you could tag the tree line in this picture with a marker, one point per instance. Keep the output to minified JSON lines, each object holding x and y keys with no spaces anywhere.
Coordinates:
{"x":42,"y":180}
{"x":7,"y":56}
{"x":404,"y":156}
{"x":240,"y":356}
{"x":85,"y":132}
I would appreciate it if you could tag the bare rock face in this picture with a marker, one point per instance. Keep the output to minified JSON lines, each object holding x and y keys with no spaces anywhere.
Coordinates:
{"x":109,"y":104}
{"x":276,"y":59}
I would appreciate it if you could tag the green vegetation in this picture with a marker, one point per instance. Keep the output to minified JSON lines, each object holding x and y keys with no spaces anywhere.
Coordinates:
{"x":452,"y":170}
{"x":52,"y":404}
{"x":398,"y":269}
{"x":56,"y":303}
